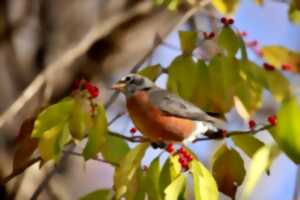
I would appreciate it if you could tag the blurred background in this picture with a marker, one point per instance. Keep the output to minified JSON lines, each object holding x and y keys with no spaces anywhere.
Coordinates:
{"x":45,"y":45}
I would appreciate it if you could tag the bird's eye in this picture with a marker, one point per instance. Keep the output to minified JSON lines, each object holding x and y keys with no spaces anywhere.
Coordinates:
{"x":128,"y":78}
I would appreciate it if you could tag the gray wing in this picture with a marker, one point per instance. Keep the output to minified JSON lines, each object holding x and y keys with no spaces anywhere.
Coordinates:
{"x":174,"y":105}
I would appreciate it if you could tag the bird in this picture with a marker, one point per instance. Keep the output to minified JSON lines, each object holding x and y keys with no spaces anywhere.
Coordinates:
{"x":161,"y":116}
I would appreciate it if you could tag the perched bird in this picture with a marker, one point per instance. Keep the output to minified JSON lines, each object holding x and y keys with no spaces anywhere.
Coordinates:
{"x":161,"y":116}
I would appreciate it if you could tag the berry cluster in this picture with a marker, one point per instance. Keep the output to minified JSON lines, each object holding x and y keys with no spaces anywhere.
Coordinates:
{"x":184,"y":158}
{"x":81,"y":84}
{"x":208,"y":36}
{"x":227,"y":21}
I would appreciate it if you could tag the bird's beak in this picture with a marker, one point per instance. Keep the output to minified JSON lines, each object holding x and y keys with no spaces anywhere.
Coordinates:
{"x":119,"y":86}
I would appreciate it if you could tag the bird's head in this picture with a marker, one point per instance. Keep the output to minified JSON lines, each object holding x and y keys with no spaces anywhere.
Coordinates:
{"x":132,"y":83}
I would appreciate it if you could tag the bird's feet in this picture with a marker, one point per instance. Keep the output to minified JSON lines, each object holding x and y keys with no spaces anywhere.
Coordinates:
{"x":156,"y":145}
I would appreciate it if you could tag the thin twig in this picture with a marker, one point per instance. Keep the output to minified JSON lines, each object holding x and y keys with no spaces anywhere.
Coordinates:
{"x":73,"y":153}
{"x":135,"y":139}
{"x":19,"y":170}
{"x":115,"y":118}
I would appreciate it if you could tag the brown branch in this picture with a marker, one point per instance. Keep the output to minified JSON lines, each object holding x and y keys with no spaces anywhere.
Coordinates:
{"x":19,"y":170}
{"x":221,"y":134}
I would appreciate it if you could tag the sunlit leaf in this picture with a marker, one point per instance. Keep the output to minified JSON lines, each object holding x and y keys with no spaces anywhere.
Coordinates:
{"x":182,"y":76}
{"x":188,"y":41}
{"x":228,"y":170}
{"x":278,"y":85}
{"x":26,"y":145}
{"x":125,"y":172}
{"x":205,"y":186}
{"x":97,"y":134}
{"x":286,"y":132}
{"x":114,"y":149}
{"x":226,"y":6}
{"x":152,"y":179}
{"x":173,"y":191}
{"x":52,"y":116}
{"x":261,"y":161}
{"x":101,"y":194}
{"x":152,"y":72}
{"x":52,"y":142}
{"x":78,"y":119}
{"x":229,"y":41}
{"x":279,"y":55}
{"x":248,"y":143}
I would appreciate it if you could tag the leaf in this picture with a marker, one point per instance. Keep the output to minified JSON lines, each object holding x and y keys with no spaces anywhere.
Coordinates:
{"x":152,"y":179}
{"x":26,"y":145}
{"x":97,"y":134}
{"x":294,"y":12}
{"x":228,"y":170}
{"x":261,"y":161}
{"x":188,"y":41}
{"x":78,"y":119}
{"x":101,"y":194}
{"x":175,"y":188}
{"x":125,"y":172}
{"x":229,"y":41}
{"x":52,"y":116}
{"x":248,"y":143}
{"x":279,"y":55}
{"x":114,"y":149}
{"x":226,"y":6}
{"x":152,"y":72}
{"x":205,"y":186}
{"x":286,"y":132}
{"x":169,"y":172}
{"x":137,"y":187}
{"x":52,"y":142}
{"x":182,"y":76}
{"x":278,"y":85}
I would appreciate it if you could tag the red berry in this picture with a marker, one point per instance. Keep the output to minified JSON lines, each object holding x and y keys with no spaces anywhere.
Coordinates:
{"x":170,"y":148}
{"x":286,"y":67}
{"x":92,"y":90}
{"x":252,"y":43}
{"x":211,"y":35}
{"x":181,"y":160}
{"x":252,"y":124}
{"x":133,"y":130}
{"x":272,"y":120}
{"x":76,"y":84}
{"x":224,"y":20}
{"x":182,"y":150}
{"x":230,"y":21}
{"x":268,"y":67}
{"x":189,"y":158}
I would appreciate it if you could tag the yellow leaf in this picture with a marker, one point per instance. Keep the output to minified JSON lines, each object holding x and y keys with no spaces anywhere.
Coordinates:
{"x":226,"y":6}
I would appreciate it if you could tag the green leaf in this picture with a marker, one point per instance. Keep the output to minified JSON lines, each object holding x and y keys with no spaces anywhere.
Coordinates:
{"x":125,"y":172}
{"x":228,"y":170}
{"x":182,"y":76}
{"x":294,"y":12}
{"x":279,"y":55}
{"x":97,"y":134}
{"x":229,"y":41}
{"x":52,"y":142}
{"x":226,"y":6}
{"x":114,"y":149}
{"x":52,"y":116}
{"x":101,"y":194}
{"x":136,"y":189}
{"x":248,"y":143}
{"x":175,"y":188}
{"x":188,"y":41}
{"x":152,"y":179}
{"x":286,"y":132}
{"x":261,"y":161}
{"x":205,"y":186}
{"x":152,"y":72}
{"x":78,"y":119}
{"x":278,"y":85}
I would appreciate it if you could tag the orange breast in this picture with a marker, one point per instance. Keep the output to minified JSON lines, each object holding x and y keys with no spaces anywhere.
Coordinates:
{"x":153,"y":123}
